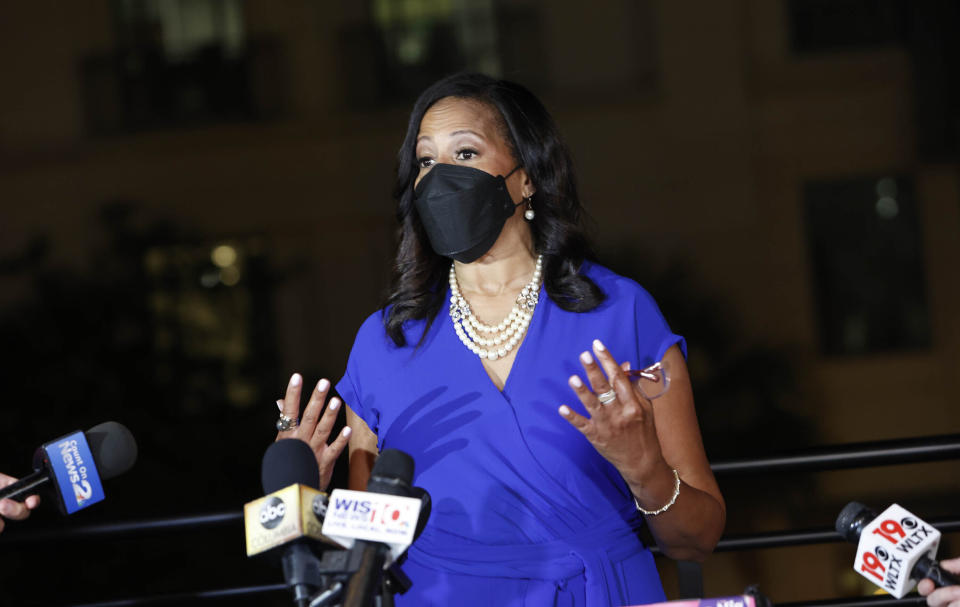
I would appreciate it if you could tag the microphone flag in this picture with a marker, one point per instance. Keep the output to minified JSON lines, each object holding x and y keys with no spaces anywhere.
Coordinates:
{"x":374,"y":517}
{"x":283,"y":516}
{"x":71,"y":462}
{"x":891,"y":545}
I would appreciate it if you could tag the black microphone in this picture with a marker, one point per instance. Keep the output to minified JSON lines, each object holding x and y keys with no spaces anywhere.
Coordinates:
{"x":289,"y":518}
{"x":395,"y":580}
{"x":76,"y":464}
{"x":891,"y":544}
{"x":391,"y":475}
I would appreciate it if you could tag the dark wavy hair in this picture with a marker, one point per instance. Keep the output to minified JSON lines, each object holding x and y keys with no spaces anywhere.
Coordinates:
{"x":418,"y":287}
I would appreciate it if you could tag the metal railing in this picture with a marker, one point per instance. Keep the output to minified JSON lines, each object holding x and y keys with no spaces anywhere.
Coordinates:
{"x":857,"y":455}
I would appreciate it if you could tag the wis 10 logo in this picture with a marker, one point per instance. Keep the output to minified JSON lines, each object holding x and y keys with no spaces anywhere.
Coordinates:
{"x":272,"y":512}
{"x":359,"y":515}
{"x":374,"y":512}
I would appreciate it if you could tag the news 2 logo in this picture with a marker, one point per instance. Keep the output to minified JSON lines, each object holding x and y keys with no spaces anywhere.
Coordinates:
{"x":272,"y":512}
{"x":76,"y":475}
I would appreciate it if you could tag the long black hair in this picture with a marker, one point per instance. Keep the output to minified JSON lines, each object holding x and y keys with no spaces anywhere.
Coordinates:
{"x":417,"y":289}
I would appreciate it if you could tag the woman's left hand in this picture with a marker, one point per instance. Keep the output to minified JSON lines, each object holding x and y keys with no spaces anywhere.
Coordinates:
{"x":662,"y":460}
{"x":623,"y":430}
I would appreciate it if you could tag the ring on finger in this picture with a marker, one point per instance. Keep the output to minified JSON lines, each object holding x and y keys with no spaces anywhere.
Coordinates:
{"x":607,"y":397}
{"x":286,"y":423}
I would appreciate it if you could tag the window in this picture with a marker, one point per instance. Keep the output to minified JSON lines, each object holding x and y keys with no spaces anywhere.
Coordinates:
{"x":412,"y":43}
{"x":867,"y":264}
{"x":832,"y":25}
{"x":181,"y":28}
{"x":180,"y":63}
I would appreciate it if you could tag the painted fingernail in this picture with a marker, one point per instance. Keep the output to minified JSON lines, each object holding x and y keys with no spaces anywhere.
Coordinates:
{"x":564,"y":410}
{"x":295,"y":380}
{"x":586,"y":358}
{"x":347,"y":431}
{"x":598,"y":345}
{"x":323,"y":385}
{"x":575,"y":381}
{"x":280,"y":405}
{"x":334,"y":403}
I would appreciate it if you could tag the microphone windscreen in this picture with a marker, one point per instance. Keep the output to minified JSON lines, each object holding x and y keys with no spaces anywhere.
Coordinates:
{"x":426,"y":505}
{"x":392,"y":473}
{"x":113,"y":448}
{"x":289,"y":461}
{"x":851,"y":520}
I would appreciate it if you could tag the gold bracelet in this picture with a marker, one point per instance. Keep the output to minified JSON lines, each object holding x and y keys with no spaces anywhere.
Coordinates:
{"x":665,"y":507}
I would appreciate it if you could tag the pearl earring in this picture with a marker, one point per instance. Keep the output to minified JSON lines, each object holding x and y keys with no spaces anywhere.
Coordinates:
{"x":529,"y":214}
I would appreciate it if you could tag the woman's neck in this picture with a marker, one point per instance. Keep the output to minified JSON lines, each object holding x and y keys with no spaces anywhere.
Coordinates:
{"x":506,"y":268}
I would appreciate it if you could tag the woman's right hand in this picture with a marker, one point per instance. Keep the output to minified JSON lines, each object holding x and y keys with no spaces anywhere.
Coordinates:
{"x":314,"y":428}
{"x":948,"y":596}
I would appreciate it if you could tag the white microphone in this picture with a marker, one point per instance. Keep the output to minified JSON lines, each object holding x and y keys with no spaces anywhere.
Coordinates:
{"x":378,"y":524}
{"x":895,"y":550}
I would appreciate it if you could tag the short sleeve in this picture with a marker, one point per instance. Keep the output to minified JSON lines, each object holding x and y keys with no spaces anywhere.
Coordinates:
{"x":654,"y":336}
{"x":367,"y":347}
{"x":650,"y":336}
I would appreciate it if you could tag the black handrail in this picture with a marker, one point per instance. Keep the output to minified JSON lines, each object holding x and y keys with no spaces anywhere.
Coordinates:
{"x":856,"y":455}
{"x":122,"y":528}
{"x":853,"y":455}
{"x":782,"y":539}
{"x":179,"y":598}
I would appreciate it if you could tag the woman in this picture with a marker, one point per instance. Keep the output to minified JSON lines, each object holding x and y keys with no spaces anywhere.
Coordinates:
{"x":498,"y":372}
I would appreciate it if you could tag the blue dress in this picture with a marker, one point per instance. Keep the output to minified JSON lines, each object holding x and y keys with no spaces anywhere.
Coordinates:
{"x":525,"y":511}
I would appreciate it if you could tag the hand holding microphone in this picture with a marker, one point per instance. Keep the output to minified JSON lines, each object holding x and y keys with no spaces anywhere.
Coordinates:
{"x":895,"y":550}
{"x":13,"y":509}
{"x":75,"y":465}
{"x":942,"y":596}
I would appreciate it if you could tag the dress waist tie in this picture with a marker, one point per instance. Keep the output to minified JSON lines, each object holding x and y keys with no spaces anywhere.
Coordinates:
{"x":590,"y":552}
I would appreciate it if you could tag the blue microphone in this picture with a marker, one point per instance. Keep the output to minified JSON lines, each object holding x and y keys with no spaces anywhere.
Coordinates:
{"x":76,"y":465}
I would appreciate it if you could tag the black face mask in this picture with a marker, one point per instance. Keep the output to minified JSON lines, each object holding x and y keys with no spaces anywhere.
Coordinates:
{"x":463,"y":209}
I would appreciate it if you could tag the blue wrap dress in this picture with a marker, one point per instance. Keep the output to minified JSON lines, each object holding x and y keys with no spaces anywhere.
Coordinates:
{"x":525,"y":511}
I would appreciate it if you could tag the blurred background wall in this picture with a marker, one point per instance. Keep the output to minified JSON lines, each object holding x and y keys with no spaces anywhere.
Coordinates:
{"x":195,"y":202}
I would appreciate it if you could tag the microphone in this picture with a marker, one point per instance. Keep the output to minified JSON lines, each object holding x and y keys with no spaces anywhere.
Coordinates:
{"x":379,"y":523}
{"x":895,"y":550}
{"x":76,"y":464}
{"x":741,"y":600}
{"x":291,"y":515}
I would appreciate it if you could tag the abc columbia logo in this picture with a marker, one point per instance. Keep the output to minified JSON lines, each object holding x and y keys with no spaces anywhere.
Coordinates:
{"x":319,"y":507}
{"x":272,"y":512}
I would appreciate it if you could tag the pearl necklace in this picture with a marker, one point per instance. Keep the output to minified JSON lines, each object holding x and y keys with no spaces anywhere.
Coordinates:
{"x":493,"y":342}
